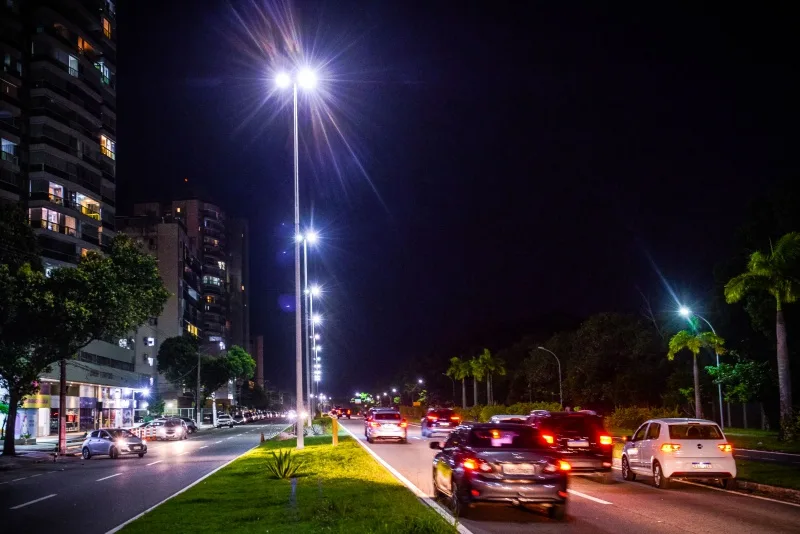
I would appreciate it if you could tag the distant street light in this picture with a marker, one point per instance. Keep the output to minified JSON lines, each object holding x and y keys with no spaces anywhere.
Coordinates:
{"x":419,"y":381}
{"x":307,"y":80}
{"x":560,"y":390}
{"x":683,"y":311}
{"x":316,"y":319}
{"x":394,"y":390}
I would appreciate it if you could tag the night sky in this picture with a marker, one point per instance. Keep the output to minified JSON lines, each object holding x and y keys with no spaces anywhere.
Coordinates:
{"x":519,"y":159}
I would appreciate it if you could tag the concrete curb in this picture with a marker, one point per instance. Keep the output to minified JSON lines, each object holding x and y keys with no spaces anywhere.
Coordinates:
{"x":408,"y":484}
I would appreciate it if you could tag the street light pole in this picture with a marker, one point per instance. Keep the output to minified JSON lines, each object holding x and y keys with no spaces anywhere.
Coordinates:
{"x":686,"y":312}
{"x":308,"y":296}
{"x":297,"y":289}
{"x":560,"y":389}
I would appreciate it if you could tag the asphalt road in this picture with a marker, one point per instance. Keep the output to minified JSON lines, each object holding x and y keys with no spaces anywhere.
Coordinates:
{"x":94,"y":496}
{"x":620,"y":507}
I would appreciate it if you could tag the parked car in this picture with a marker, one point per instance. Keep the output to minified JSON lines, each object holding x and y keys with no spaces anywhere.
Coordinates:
{"x":579,"y":438}
{"x":191,"y":426}
{"x":387,"y":425}
{"x":239,"y":419}
{"x":679,"y":448}
{"x":113,"y":442}
{"x":499,"y":463}
{"x":439,"y":421}
{"x":224,"y":420}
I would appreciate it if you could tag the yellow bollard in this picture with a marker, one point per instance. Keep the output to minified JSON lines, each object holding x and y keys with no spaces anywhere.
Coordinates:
{"x":335,"y":431}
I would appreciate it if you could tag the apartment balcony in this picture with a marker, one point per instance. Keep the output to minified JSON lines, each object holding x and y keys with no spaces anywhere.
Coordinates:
{"x":11,"y":125}
{"x":54,"y":227}
{"x":89,"y":211}
{"x":214,"y":252}
{"x":10,"y":158}
{"x":213,"y":289}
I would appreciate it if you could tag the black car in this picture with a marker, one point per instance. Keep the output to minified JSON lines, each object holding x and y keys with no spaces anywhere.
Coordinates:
{"x":439,"y":421}
{"x":579,"y":438}
{"x":190,"y":424}
{"x":499,"y":463}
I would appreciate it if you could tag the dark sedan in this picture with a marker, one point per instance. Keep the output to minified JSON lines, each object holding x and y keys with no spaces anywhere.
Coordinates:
{"x":501,"y":463}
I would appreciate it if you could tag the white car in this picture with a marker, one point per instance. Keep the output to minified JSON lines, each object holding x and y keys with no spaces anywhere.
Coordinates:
{"x":508,"y":418}
{"x":679,"y":448}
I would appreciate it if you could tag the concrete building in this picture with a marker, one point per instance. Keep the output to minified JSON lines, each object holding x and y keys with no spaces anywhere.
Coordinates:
{"x":239,"y":284}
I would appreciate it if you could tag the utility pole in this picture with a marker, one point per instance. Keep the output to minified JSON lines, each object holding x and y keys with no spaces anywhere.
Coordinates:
{"x":62,"y":409}
{"x":197,"y":396}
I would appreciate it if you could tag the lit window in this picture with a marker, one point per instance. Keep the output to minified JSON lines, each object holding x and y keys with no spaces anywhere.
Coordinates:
{"x":105,"y":74}
{"x":150,"y":362}
{"x":9,"y":151}
{"x":178,"y":210}
{"x":192,"y":329}
{"x":107,"y":27}
{"x":84,"y":252}
{"x":242,"y":287}
{"x":73,"y":66}
{"x":212,"y":280}
{"x":221,"y":265}
{"x":108,"y":147}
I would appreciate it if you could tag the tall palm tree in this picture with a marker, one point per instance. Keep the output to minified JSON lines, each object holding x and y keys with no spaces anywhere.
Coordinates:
{"x":694,"y":343}
{"x":491,"y":366}
{"x":460,"y":370}
{"x":776,"y":273}
{"x":477,"y":372}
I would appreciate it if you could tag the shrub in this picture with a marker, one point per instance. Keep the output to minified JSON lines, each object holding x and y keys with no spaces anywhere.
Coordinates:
{"x":412,"y":412}
{"x":283,"y":465}
{"x":629,"y":418}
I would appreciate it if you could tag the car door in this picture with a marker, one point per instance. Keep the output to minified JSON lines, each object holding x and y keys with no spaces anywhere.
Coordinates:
{"x":632,"y":451}
{"x":447,"y":462}
{"x":649,"y":446}
{"x":103,"y":443}
{"x":93,"y":439}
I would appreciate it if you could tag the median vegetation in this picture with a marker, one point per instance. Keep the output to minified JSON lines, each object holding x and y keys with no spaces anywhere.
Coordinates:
{"x":334,"y":489}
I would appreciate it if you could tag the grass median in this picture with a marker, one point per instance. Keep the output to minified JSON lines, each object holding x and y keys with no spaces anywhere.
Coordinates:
{"x":338,"y":489}
{"x":761,"y":440}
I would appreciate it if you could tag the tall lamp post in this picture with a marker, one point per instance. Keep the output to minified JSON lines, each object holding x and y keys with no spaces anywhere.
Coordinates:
{"x":308,"y":237}
{"x":560,"y":389}
{"x":306,"y":79}
{"x":686,"y":312}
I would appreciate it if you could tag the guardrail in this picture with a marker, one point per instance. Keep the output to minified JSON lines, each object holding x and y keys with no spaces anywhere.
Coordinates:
{"x":145,"y":434}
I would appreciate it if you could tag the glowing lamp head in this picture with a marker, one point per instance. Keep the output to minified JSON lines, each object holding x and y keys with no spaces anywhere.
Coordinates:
{"x":307,"y":79}
{"x":146,"y":392}
{"x":312,"y":237}
{"x":684,"y":311}
{"x":282,"y":80}
{"x":315,"y":291}
{"x":317,"y":319}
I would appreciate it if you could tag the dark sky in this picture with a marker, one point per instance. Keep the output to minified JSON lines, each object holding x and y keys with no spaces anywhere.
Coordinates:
{"x":520,"y":159}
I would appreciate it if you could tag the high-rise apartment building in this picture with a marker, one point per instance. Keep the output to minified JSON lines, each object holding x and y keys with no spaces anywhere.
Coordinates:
{"x":58,"y":126}
{"x":239,"y":280}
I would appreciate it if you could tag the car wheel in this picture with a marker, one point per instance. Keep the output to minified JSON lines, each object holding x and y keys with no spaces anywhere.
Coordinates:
{"x":141,"y":455}
{"x":557,"y":512}
{"x":728,"y":483}
{"x":627,"y":473}
{"x":86,"y":453}
{"x":404,"y":440}
{"x":370,"y":440}
{"x":659,"y":480}
{"x":230,"y":426}
{"x":457,"y":504}
{"x":113,"y":453}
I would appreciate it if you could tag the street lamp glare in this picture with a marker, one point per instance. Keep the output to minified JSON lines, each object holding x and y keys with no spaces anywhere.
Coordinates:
{"x":282,"y":80}
{"x":316,"y":319}
{"x":394,"y":390}
{"x":315,"y":291}
{"x":684,"y":311}
{"x":312,"y":237}
{"x":419,"y":380}
{"x":316,"y":337}
{"x":307,"y":79}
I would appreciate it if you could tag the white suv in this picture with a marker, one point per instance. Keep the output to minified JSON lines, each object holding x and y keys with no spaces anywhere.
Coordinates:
{"x":224,"y":420}
{"x":679,"y":448}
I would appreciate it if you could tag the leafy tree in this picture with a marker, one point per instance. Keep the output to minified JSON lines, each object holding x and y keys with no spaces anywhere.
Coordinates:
{"x":491,"y":365}
{"x":177,"y":359}
{"x":18,"y":244}
{"x":478,"y":372}
{"x":46,"y":319}
{"x":460,"y":370}
{"x":775,"y":273}
{"x":694,"y":343}
{"x":242,"y":365}
{"x":743,"y":381}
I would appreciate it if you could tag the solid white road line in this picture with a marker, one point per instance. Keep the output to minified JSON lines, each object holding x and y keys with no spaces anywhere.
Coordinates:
{"x":182,"y":453}
{"x":154,"y":463}
{"x":18,"y":479}
{"x":203,"y":447}
{"x":17,"y":507}
{"x":106,"y":478}
{"x":589,"y":497}
{"x":216,"y":442}
{"x":34,"y":476}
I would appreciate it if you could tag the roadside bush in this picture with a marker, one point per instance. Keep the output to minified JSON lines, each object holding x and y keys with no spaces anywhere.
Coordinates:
{"x":413,"y":412}
{"x":520,"y":408}
{"x":283,"y":465}
{"x":629,"y":418}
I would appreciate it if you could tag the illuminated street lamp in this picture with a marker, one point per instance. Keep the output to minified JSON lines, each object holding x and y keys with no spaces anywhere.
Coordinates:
{"x":683,"y":311}
{"x":306,"y":79}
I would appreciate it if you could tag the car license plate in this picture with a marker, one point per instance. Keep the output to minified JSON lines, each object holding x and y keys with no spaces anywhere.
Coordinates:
{"x":519,"y":469}
{"x":390,"y":426}
{"x":701,"y":465}
{"x":577,"y":443}
{"x":444,"y":424}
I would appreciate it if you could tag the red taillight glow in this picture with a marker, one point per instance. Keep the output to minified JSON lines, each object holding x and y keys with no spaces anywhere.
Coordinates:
{"x":606,"y":440}
{"x":564,"y":466}
{"x":403,"y":423}
{"x":548,"y":438}
{"x":455,"y":418}
{"x":373,"y":424}
{"x":725,"y":447}
{"x":469,"y":464}
{"x":432,"y":418}
{"x":670,"y":447}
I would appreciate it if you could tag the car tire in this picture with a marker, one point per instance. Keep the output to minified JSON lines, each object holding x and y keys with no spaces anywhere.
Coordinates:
{"x":404,"y":440}
{"x":370,"y":440}
{"x":659,"y":480}
{"x":457,"y":505}
{"x":86,"y":453}
{"x":113,"y":452}
{"x":557,"y":512}
{"x":141,"y":455}
{"x":627,"y":472}
{"x":728,"y":483}
{"x":230,"y":425}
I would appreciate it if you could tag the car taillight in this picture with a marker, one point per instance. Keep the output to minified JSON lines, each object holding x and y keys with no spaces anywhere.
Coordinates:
{"x":725,"y":447}
{"x":455,"y":418}
{"x":373,"y":424}
{"x":606,"y":440}
{"x":403,"y":423}
{"x":472,"y":464}
{"x":548,"y":438}
{"x":432,"y":418}
{"x":670,"y":447}
{"x":564,"y":466}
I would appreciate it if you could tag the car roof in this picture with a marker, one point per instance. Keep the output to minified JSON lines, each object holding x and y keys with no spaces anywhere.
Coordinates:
{"x":682,"y":420}
{"x":495,"y":426}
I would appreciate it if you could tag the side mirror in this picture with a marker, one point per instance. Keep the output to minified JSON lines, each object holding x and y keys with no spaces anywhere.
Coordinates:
{"x":628,"y":438}
{"x":435,"y":445}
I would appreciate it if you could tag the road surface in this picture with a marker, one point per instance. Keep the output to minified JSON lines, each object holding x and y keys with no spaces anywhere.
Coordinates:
{"x":596,"y":508}
{"x":94,"y":496}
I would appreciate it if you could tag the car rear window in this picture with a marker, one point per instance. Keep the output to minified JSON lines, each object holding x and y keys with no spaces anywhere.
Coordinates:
{"x":388,"y":416}
{"x":500,"y":438}
{"x":574,"y":424}
{"x":442,"y":414}
{"x":694,"y":432}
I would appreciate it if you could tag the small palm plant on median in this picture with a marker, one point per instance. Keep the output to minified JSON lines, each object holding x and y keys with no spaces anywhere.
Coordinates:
{"x":283,"y":465}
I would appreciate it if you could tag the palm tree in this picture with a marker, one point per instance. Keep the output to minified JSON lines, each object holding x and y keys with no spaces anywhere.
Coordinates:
{"x":460,"y":370}
{"x":694,"y":342}
{"x":477,"y":372}
{"x":491,"y":366}
{"x":775,"y":273}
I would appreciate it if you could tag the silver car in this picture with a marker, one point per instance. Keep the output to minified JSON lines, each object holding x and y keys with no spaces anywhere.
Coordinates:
{"x":112,"y":442}
{"x":386,"y":425}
